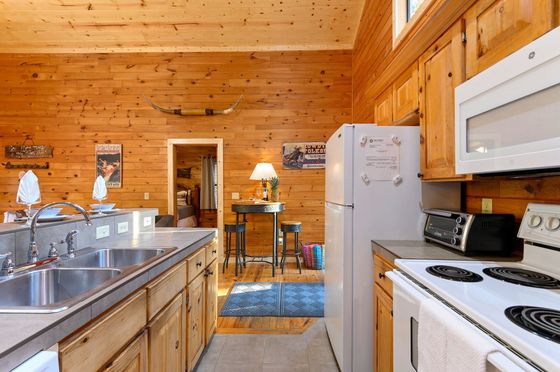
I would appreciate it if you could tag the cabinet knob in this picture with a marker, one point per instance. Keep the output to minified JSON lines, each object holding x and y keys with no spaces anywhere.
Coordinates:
{"x":420,"y":175}
{"x":214,"y":251}
{"x":381,"y":275}
{"x":199,"y":264}
{"x":176,"y":344}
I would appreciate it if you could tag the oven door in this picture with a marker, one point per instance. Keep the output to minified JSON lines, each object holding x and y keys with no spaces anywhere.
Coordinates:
{"x":406,"y":307}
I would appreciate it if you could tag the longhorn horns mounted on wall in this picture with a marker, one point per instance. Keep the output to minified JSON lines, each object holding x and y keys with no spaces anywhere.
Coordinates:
{"x":194,"y":112}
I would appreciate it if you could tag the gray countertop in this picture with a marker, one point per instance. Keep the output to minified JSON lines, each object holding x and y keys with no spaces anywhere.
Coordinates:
{"x":23,"y":335}
{"x":421,"y":250}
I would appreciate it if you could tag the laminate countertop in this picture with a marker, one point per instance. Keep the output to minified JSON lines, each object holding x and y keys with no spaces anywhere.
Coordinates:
{"x":23,"y":335}
{"x":421,"y":250}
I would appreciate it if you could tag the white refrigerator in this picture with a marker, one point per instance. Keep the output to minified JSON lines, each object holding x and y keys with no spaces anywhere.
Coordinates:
{"x":372,"y":192}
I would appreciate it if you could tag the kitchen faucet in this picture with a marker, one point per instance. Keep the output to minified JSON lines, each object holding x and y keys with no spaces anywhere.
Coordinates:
{"x":33,"y":252}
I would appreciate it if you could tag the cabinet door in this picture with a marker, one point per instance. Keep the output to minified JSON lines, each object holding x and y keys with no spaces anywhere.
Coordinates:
{"x":383,"y":331}
{"x":211,"y":300}
{"x":167,"y":337}
{"x":384,"y":108}
{"x":441,"y":70}
{"x":132,"y":359}
{"x":195,"y":320}
{"x":405,"y":96}
{"x":497,"y":28}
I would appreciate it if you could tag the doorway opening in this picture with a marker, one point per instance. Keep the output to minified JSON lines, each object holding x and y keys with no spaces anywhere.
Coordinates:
{"x":195,"y":183}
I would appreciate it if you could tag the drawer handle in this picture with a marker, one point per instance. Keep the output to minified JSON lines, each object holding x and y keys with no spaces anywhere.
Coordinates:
{"x":199,"y":264}
{"x":381,"y":276}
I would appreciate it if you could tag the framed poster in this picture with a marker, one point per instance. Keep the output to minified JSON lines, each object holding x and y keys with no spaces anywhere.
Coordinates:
{"x":108,"y":164}
{"x":304,"y":155}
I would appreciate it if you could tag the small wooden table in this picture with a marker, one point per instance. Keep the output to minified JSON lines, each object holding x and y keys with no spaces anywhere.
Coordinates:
{"x":251,"y":207}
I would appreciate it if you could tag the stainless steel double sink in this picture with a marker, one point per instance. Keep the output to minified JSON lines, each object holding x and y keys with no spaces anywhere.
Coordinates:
{"x":57,"y":286}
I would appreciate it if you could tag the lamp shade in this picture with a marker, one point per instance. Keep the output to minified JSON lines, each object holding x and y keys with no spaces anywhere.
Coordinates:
{"x":263,"y":171}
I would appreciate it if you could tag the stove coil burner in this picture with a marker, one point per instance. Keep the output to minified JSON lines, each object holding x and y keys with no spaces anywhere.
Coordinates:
{"x":538,"y":320}
{"x":454,"y":273}
{"x":523,"y":277}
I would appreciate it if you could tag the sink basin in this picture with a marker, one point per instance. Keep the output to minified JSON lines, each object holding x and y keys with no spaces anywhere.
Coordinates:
{"x":113,"y":258}
{"x":52,"y":289}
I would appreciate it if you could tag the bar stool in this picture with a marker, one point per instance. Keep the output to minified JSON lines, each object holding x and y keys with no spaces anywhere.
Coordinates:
{"x":230,"y":229}
{"x":290,"y":227}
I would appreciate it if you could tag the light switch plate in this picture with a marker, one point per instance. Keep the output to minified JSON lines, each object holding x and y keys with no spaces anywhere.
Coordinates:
{"x":235,"y":195}
{"x":102,"y":232}
{"x":147,"y":221}
{"x":122,"y":227}
{"x":486,"y":205}
{"x":146,"y":196}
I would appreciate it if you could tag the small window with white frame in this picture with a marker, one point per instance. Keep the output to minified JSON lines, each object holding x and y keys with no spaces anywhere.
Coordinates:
{"x":405,"y":14}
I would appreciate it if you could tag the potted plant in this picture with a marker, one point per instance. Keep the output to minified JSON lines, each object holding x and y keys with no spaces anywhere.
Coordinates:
{"x":274,"y":183}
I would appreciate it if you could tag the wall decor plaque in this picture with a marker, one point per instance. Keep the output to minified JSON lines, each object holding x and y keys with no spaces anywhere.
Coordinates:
{"x":304,"y":155}
{"x":108,"y":164}
{"x":28,"y":150}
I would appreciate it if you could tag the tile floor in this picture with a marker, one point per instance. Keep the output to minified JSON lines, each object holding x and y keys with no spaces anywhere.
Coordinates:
{"x":308,"y":352}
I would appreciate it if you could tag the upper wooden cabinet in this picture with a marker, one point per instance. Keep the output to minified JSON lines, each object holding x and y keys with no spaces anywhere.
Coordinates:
{"x":497,"y":28}
{"x":405,"y":96}
{"x":384,"y":108}
{"x":441,"y":69}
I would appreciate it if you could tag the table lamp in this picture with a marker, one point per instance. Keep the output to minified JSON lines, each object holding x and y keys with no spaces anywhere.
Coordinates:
{"x":263,"y":172}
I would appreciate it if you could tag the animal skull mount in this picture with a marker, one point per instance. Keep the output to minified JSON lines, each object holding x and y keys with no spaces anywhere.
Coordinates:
{"x":194,"y":112}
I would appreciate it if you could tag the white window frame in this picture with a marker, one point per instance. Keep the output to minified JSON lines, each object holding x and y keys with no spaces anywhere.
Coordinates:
{"x":400,"y":25}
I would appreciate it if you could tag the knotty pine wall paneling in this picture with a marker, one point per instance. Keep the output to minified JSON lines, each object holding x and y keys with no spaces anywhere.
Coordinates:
{"x":376,"y":64}
{"x":74,"y":101}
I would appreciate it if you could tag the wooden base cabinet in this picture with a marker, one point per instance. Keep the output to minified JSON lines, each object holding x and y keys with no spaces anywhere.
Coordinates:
{"x":383,"y":316}
{"x":211,"y":311}
{"x":195,"y":320}
{"x":167,"y":335}
{"x":132,"y":359}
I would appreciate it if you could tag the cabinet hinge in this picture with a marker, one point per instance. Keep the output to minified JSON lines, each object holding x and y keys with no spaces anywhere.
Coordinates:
{"x":463,"y":37}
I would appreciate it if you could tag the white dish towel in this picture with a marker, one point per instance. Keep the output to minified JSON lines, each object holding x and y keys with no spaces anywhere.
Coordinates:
{"x":446,"y":343}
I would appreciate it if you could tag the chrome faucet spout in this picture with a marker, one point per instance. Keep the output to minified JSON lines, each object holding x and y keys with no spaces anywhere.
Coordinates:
{"x":33,"y":252}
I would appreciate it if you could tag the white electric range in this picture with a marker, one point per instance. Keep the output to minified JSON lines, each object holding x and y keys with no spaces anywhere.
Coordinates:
{"x":516,"y":306}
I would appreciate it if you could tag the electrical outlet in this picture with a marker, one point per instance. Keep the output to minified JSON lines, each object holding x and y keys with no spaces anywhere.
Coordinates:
{"x":146,"y":196}
{"x":147,"y":221}
{"x":235,"y":195}
{"x":122,"y":227}
{"x":486,"y":205}
{"x":102,"y":232}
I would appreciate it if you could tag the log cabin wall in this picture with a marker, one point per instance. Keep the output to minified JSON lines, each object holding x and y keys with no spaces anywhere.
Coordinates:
{"x":74,"y":101}
{"x":376,"y":64}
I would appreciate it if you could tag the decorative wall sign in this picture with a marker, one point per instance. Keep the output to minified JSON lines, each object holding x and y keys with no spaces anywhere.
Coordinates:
{"x":28,"y":151}
{"x":304,"y":155}
{"x":184,"y":172}
{"x":108,"y":159}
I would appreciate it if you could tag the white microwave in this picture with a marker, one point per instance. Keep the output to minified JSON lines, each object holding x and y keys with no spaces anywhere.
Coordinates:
{"x":507,"y":118}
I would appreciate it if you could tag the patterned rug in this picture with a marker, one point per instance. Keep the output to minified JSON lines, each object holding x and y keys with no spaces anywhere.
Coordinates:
{"x":275,"y":299}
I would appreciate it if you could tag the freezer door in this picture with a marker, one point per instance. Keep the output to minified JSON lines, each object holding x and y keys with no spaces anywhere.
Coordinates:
{"x":339,"y":166}
{"x":338,"y":282}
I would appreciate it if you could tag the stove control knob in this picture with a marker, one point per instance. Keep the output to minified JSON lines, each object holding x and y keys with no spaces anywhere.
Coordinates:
{"x":534,"y":221}
{"x":457,"y":230}
{"x":552,"y":223}
{"x":456,"y":241}
{"x":460,"y":220}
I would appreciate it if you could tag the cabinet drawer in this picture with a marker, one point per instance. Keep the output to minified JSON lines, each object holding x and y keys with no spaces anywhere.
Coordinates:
{"x":164,"y":288}
{"x":133,"y":358}
{"x":91,"y":348}
{"x":196,"y":264}
{"x":380,"y":268}
{"x":211,"y":251}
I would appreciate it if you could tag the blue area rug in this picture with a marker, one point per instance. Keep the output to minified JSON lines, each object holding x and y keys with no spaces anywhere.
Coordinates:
{"x":275,"y":299}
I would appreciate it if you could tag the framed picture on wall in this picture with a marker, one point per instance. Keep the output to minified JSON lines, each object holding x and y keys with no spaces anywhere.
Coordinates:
{"x":304,"y":155}
{"x":108,"y":164}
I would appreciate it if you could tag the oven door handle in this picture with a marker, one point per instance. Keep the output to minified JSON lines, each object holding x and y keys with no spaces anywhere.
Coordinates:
{"x":405,"y":285}
{"x":503,"y":363}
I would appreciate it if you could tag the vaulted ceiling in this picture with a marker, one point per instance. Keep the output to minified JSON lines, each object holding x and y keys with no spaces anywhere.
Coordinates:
{"x":69,"y":26}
